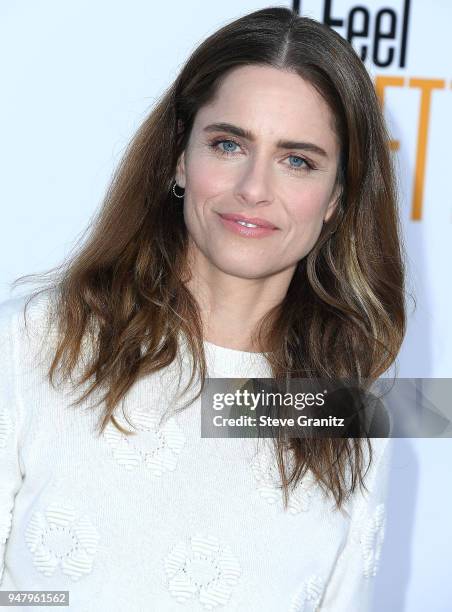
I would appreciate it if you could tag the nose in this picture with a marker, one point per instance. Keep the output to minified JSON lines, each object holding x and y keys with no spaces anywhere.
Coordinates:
{"x":254,"y":186}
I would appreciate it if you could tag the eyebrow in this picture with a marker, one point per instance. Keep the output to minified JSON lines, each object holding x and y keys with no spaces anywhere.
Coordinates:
{"x":282,"y":144}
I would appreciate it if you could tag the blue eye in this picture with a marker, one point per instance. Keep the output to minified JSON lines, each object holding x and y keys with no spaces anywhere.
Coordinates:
{"x":298,"y":159}
{"x":228,"y":149}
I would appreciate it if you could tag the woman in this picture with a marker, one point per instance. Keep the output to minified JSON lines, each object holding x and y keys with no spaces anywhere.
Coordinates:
{"x":250,"y":231}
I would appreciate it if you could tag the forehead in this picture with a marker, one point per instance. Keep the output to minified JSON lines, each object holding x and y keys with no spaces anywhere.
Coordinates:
{"x":271,"y":103}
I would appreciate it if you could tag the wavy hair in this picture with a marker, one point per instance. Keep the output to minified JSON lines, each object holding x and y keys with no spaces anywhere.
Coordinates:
{"x":343,"y":316}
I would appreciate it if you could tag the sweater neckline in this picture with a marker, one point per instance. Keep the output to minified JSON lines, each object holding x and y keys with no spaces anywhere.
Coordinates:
{"x":225,"y":349}
{"x":229,"y":362}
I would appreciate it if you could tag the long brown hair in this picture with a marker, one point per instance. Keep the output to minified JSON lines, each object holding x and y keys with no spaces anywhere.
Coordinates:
{"x":343,"y":314}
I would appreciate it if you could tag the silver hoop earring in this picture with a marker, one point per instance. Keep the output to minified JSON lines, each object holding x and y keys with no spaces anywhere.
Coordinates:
{"x":174,"y":191}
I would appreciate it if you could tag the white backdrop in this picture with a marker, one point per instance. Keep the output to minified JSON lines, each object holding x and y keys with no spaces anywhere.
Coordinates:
{"x":78,"y":79}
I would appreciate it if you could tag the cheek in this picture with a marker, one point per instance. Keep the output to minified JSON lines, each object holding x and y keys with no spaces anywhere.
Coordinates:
{"x":206,"y":178}
{"x":203,"y":188}
{"x":309,"y":203}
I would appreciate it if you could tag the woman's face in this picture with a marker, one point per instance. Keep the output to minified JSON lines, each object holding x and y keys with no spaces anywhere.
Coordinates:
{"x":257,"y":166}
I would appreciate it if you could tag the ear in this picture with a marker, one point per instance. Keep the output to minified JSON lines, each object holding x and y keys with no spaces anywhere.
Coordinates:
{"x":333,"y":203}
{"x":180,"y":170}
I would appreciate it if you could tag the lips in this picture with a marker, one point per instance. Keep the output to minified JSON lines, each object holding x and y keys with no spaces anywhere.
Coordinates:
{"x":255,"y":220}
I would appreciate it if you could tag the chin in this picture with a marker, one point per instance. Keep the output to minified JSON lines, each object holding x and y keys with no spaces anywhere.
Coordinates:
{"x":241,"y":270}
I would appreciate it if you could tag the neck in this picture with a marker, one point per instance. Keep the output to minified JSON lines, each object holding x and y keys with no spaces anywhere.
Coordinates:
{"x":232,"y":307}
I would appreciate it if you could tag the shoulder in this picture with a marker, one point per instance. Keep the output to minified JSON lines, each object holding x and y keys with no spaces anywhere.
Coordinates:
{"x":23,"y":322}
{"x":10,"y":311}
{"x":370,"y":500}
{"x":382,"y":449}
{"x":26,"y":312}
{"x":22,"y":345}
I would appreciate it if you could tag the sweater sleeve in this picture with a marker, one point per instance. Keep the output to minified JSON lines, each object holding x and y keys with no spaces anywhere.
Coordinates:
{"x":351,"y":584}
{"x":10,"y":420}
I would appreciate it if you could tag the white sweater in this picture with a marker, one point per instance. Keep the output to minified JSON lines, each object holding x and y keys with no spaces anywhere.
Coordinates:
{"x":166,"y":521}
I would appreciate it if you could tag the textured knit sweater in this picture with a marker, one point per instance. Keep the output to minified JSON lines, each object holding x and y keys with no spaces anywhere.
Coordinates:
{"x":166,"y":520}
